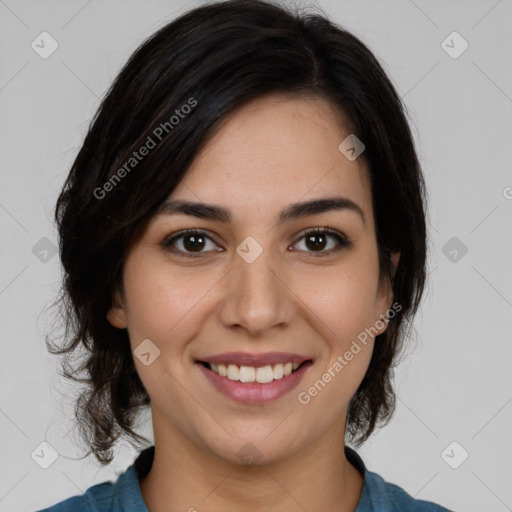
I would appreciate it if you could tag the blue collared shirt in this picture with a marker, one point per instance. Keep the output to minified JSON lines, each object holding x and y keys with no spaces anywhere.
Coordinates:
{"x":124,"y":494}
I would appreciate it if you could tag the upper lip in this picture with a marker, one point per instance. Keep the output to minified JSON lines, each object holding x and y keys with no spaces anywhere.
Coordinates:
{"x":255,"y":360}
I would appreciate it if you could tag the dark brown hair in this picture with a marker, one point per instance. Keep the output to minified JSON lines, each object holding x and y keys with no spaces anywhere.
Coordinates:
{"x":213,"y":60}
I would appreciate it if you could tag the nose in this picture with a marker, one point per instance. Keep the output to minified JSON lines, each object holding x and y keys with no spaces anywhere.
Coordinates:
{"x":257,"y":297}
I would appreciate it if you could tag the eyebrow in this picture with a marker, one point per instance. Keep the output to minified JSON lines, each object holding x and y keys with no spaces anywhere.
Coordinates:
{"x":292,"y":212}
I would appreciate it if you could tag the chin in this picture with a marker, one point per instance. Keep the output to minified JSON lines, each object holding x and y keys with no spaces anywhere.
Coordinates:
{"x":258,"y":450}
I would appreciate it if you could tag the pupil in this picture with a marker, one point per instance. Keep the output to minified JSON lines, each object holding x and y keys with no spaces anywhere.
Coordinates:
{"x":315,"y":245}
{"x":195,"y":242}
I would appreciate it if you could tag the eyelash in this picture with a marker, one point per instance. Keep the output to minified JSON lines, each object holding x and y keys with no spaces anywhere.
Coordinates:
{"x":343,"y":242}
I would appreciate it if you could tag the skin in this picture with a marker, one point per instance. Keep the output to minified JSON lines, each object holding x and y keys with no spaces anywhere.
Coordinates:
{"x":272,"y":152}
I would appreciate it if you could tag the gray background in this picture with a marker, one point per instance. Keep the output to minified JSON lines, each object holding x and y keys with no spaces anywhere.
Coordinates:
{"x":455,"y":384}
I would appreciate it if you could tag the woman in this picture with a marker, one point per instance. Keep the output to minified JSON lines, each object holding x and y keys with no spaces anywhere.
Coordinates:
{"x":243,"y":239}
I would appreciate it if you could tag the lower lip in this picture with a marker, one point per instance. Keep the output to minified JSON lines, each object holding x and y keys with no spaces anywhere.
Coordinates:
{"x":255,"y":392}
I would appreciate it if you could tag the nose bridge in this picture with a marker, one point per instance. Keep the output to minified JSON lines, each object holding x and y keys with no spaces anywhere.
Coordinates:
{"x":257,"y":297}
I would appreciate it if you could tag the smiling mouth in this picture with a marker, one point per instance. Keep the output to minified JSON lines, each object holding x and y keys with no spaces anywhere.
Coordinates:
{"x":251,"y":374}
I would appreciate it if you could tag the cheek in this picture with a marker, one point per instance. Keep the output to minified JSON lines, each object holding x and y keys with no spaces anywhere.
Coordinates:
{"x":344,"y":306}
{"x":344,"y":299}
{"x":158,"y":300}
{"x":163,"y":308}
{"x":167,"y":305}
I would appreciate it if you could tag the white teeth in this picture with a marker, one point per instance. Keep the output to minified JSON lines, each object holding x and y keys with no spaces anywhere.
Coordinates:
{"x":247,"y":374}
{"x":263,"y":374}
{"x":233,"y":372}
{"x":278,"y":371}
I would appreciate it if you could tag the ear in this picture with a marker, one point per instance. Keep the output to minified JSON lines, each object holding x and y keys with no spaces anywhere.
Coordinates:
{"x":116,"y":315}
{"x":395,"y":258}
{"x":385,"y":298}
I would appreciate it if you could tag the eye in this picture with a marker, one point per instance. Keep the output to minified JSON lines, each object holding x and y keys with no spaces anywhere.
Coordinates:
{"x":191,"y":240}
{"x":317,"y":240}
{"x":190,"y":243}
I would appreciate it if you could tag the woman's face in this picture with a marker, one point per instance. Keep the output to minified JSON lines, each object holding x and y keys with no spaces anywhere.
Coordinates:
{"x":258,"y":287}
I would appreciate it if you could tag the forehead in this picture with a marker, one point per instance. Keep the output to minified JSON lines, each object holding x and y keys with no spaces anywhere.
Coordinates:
{"x":272,"y":152}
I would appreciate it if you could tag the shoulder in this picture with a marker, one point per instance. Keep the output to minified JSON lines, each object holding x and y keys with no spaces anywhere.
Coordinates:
{"x":96,"y":498}
{"x":102,"y":497}
{"x":380,"y":496}
{"x":387,"y":496}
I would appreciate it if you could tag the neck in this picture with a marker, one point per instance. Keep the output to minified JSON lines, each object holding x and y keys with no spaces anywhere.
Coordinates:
{"x":187,"y":477}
